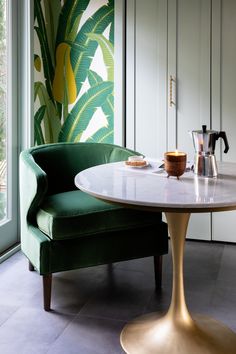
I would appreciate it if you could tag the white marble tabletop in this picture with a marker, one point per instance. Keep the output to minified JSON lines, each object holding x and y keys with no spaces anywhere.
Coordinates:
{"x":149,"y":187}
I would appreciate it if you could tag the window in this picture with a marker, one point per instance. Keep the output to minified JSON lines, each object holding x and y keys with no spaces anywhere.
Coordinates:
{"x":8,"y":124}
{"x":3,"y":108}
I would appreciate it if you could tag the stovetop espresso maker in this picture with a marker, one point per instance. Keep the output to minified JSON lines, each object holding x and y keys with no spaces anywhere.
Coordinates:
{"x":204,"y":144}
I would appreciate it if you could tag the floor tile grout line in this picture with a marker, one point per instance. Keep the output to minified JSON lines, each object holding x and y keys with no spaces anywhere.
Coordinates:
{"x":104,"y":318}
{"x":63,"y":330}
{"x":8,"y":318}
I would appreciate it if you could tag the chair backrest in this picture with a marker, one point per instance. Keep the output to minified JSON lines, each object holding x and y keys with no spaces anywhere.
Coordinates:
{"x":62,"y":161}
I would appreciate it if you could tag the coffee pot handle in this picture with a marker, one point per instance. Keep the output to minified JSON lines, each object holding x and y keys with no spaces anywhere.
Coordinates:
{"x":224,"y":137}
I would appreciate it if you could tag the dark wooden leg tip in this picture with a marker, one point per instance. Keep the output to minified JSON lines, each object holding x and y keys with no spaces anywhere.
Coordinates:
{"x":31,"y":267}
{"x":47,"y":287}
{"x":158,"y":272}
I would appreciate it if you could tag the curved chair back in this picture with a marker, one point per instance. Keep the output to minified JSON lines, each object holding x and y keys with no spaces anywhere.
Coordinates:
{"x":62,"y":161}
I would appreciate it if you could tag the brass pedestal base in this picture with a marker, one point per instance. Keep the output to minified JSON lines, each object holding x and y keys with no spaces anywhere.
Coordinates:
{"x":177,"y":332}
{"x":152,"y":335}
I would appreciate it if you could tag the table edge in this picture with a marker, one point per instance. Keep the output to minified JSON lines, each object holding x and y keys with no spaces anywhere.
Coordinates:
{"x":160,"y":208}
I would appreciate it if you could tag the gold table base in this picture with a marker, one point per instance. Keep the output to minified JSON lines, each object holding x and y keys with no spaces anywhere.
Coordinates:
{"x":177,"y":332}
{"x":150,"y":335}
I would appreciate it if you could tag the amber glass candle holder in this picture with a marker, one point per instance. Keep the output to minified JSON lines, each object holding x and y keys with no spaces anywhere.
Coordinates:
{"x":175,"y":163}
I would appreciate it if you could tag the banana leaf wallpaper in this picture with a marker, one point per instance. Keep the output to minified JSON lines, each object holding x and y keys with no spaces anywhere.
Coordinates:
{"x":73,"y":71}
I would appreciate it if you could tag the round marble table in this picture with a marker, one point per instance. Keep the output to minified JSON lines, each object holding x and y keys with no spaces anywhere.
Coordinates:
{"x":177,"y":332}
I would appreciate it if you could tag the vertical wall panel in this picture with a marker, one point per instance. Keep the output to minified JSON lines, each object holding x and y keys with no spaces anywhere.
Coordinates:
{"x":146,"y":125}
{"x":189,"y":24}
{"x":146,"y":76}
{"x":172,"y":73}
{"x":224,"y":224}
{"x":193,"y":69}
{"x":130,"y":73}
{"x":228,"y":76}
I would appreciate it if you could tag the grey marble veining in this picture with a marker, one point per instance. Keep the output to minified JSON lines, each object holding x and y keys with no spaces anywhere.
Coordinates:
{"x":150,"y":187}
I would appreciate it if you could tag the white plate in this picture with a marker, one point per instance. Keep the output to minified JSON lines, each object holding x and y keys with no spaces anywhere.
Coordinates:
{"x":147,"y":164}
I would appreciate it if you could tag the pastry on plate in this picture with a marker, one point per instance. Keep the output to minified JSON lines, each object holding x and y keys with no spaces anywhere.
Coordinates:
{"x":136,"y":161}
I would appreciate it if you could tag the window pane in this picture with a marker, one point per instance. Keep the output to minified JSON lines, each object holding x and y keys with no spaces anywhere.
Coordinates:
{"x":3,"y":108}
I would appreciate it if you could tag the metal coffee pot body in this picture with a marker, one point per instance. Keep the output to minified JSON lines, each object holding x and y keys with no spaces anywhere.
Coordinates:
{"x":204,"y":144}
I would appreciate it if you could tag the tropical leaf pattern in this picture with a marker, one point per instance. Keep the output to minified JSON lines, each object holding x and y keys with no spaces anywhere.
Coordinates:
{"x":50,"y":122}
{"x":82,"y":112}
{"x":74,"y":85}
{"x":81,"y":60}
{"x":38,"y":136}
{"x":64,"y":86}
{"x":105,"y":134}
{"x":52,"y":11}
{"x":107,"y":51}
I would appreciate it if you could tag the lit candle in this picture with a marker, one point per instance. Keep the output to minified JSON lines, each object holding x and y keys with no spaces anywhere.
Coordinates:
{"x":175,"y":163}
{"x":175,"y":153}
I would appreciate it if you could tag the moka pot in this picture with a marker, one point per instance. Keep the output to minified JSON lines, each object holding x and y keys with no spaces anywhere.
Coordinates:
{"x":204,"y":144}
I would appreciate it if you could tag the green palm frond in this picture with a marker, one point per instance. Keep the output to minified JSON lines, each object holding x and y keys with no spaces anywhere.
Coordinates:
{"x":111,"y":34}
{"x":94,"y":78}
{"x":38,"y":134}
{"x":81,"y":61}
{"x":103,"y":135}
{"x":46,"y":55}
{"x":107,"y":107}
{"x":78,"y":119}
{"x":69,"y":20}
{"x":52,"y":11}
{"x":51,"y":119}
{"x":107,"y":52}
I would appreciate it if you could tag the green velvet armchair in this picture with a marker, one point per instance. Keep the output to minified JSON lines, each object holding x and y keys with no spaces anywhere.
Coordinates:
{"x":63,"y":228}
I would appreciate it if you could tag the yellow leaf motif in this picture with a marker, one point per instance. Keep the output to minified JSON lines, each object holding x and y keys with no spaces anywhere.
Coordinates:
{"x":37,"y":63}
{"x":64,"y":85}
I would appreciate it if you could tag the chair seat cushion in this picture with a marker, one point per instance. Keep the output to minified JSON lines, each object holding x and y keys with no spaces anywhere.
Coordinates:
{"x":76,"y":214}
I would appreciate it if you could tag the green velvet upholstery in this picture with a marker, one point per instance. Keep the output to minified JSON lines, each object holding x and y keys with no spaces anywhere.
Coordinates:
{"x":63,"y":228}
{"x":76,"y":214}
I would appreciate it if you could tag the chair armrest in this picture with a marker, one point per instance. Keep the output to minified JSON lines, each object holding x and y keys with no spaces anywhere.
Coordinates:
{"x":33,"y":187}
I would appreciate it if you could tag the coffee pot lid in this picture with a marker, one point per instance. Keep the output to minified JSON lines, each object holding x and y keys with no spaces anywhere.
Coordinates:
{"x":204,"y":130}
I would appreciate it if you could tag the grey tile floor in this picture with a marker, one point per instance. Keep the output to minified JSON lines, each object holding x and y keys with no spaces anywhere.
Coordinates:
{"x":91,"y":306}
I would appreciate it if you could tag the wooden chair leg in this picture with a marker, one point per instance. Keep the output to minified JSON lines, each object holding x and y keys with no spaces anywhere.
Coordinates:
{"x":158,"y":271}
{"x":47,"y":287}
{"x":31,"y":267}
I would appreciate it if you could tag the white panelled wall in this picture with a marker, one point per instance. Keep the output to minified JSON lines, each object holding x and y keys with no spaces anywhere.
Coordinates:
{"x":224,"y":99}
{"x":188,"y":46}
